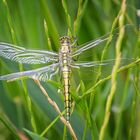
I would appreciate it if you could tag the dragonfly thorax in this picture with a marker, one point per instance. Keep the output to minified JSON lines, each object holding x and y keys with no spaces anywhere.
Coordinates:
{"x":65,"y":44}
{"x":65,"y":54}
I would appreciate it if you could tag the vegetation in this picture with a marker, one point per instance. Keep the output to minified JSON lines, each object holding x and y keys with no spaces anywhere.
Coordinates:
{"x":106,"y":99}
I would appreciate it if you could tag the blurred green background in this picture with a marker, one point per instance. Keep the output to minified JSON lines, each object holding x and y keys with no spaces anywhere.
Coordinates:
{"x":23,"y":105}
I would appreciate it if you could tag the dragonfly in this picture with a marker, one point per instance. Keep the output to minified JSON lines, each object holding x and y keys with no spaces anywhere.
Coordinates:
{"x":61,"y":62}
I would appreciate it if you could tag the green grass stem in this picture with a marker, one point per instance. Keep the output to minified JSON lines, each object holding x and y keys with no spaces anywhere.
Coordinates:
{"x":114,"y":73}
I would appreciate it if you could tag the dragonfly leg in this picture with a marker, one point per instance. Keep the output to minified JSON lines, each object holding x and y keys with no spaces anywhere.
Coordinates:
{"x":74,"y":42}
{"x":77,"y":67}
{"x":54,"y":73}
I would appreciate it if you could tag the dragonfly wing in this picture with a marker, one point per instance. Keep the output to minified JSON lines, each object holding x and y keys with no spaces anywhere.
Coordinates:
{"x":89,"y":45}
{"x":99,"y":63}
{"x":88,"y":72}
{"x":42,"y":74}
{"x":26,"y":56}
{"x":91,"y":64}
{"x":128,"y":28}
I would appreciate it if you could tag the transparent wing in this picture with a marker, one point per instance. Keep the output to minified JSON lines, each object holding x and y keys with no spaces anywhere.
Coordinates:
{"x":99,"y":63}
{"x":23,"y":55}
{"x":88,"y":72}
{"x":42,"y":74}
{"x":128,"y":28}
{"x":90,"y":45}
{"x":90,"y":64}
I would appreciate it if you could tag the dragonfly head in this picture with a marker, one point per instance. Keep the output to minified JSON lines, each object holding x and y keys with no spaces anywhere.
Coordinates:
{"x":65,"y":40}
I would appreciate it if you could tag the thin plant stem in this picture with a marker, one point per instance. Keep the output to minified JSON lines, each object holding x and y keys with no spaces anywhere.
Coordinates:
{"x":52,"y":123}
{"x":55,"y":106}
{"x":114,"y":73}
{"x":68,"y":18}
{"x":123,"y":68}
{"x":50,"y":23}
{"x":26,"y":95}
{"x":81,"y":10}
{"x":9,"y":125}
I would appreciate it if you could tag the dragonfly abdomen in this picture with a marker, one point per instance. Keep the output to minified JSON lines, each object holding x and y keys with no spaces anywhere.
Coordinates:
{"x":66,"y":77}
{"x":66,"y":70}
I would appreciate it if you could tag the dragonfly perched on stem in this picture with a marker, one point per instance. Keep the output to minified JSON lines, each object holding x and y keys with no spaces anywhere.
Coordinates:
{"x":62,"y":62}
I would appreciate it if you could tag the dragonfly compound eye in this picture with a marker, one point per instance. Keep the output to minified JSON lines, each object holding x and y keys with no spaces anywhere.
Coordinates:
{"x":65,"y":39}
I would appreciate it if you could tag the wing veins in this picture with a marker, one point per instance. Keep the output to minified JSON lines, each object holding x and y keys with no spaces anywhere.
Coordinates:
{"x":17,"y":54}
{"x":29,"y":73}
